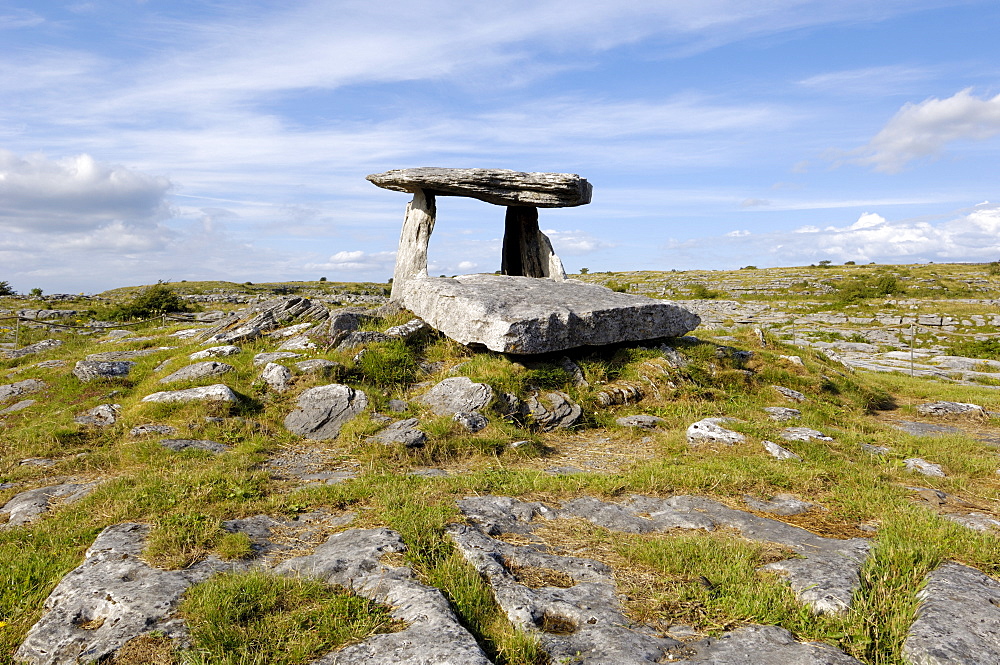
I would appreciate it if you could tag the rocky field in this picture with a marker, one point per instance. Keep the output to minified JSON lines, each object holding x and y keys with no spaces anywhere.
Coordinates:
{"x":302,"y":473}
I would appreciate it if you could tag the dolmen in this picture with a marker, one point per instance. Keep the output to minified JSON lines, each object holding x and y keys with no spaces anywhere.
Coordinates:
{"x":530,"y":308}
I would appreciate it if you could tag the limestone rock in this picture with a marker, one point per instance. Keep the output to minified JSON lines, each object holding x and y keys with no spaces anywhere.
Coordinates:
{"x":318,"y":366}
{"x":407,"y":330}
{"x":951,"y":409}
{"x":780,"y":504}
{"x":354,"y":559}
{"x":110,"y":598}
{"x":18,"y":406}
{"x":710,"y":430}
{"x":779,"y":452}
{"x":143,"y":430}
{"x":958,"y":620}
{"x":111,"y":356}
{"x":360,"y":337}
{"x":216,"y":352}
{"x":323,"y":410}
{"x":763,"y":645}
{"x":297,"y":343}
{"x":578,"y":621}
{"x":803,"y":434}
{"x":640,"y":421}
{"x":473,"y":421}
{"x":215,"y":393}
{"x":25,"y":387}
{"x":456,"y":394}
{"x":525,"y":315}
{"x":923,"y":466}
{"x":25,"y":507}
{"x":196,"y":444}
{"x":552,"y":410}
{"x":404,"y":432}
{"x":197,"y":371}
{"x":277,"y":377}
{"x":782,"y":413}
{"x":265,"y":358}
{"x":499,"y":186}
{"x":30,"y":349}
{"x":262,"y":318}
{"x":101,"y":415}
{"x":793,"y":395}
{"x":89,"y":370}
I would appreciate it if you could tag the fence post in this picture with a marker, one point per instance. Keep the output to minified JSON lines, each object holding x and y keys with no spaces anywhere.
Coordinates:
{"x":17,"y":330}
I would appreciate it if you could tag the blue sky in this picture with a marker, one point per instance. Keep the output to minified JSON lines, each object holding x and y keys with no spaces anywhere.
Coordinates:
{"x":229,"y":140}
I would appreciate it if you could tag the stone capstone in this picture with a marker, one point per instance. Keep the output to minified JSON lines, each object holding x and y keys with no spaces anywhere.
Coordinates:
{"x":197,"y":371}
{"x":499,"y":186}
{"x":323,"y":410}
{"x":524,"y":315}
{"x":215,"y":393}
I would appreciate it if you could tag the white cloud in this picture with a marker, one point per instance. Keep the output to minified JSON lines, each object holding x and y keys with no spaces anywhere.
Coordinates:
{"x":970,"y":235}
{"x":738,"y":234}
{"x":868,"y":80}
{"x":75,"y":194}
{"x":924,"y":129}
{"x":467,"y":265}
{"x":357,"y":261}
{"x":575,"y":243}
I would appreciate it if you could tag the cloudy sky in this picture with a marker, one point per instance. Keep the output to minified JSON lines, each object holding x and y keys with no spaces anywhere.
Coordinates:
{"x":190,"y":139}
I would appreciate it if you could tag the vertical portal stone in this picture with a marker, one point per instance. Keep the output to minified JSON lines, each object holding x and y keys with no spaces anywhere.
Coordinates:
{"x":411,"y":255}
{"x":527,"y":251}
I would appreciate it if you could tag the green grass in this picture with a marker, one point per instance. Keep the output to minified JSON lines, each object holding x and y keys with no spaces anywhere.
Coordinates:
{"x":257,"y":618}
{"x":186,"y":496}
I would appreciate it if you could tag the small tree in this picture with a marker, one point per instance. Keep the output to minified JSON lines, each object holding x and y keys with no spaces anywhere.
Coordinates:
{"x":153,"y":301}
{"x":584,"y":271}
{"x":35,"y":292}
{"x":322,"y":279}
{"x":5,"y":289}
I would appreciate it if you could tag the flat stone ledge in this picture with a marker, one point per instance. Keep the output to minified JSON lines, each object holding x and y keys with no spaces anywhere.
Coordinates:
{"x":499,"y":186}
{"x":523,"y":315}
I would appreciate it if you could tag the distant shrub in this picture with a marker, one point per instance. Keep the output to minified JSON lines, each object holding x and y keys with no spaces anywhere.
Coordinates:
{"x":35,"y":292}
{"x":850,"y":263}
{"x":584,"y":271}
{"x":617,"y":287}
{"x":322,"y":279}
{"x":748,"y":268}
{"x":5,"y":289}
{"x":994,"y":268}
{"x":988,"y":349}
{"x":868,"y":286}
{"x":388,"y":364}
{"x":153,"y":301}
{"x":702,"y":292}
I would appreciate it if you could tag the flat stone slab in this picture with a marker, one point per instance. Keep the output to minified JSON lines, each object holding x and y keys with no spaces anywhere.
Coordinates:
{"x":958,"y":620}
{"x":524,"y":315}
{"x":500,"y":186}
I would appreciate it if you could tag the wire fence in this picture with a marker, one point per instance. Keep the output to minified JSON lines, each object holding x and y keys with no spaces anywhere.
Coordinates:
{"x":18,"y":320}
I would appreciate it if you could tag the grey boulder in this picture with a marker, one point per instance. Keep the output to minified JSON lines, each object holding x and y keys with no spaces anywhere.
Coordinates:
{"x":12,"y":390}
{"x":525,"y":315}
{"x":218,"y":392}
{"x":404,"y":432}
{"x":711,"y":430}
{"x":89,"y":370}
{"x":102,"y":415}
{"x":197,"y":371}
{"x":323,"y":410}
{"x":455,"y":394}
